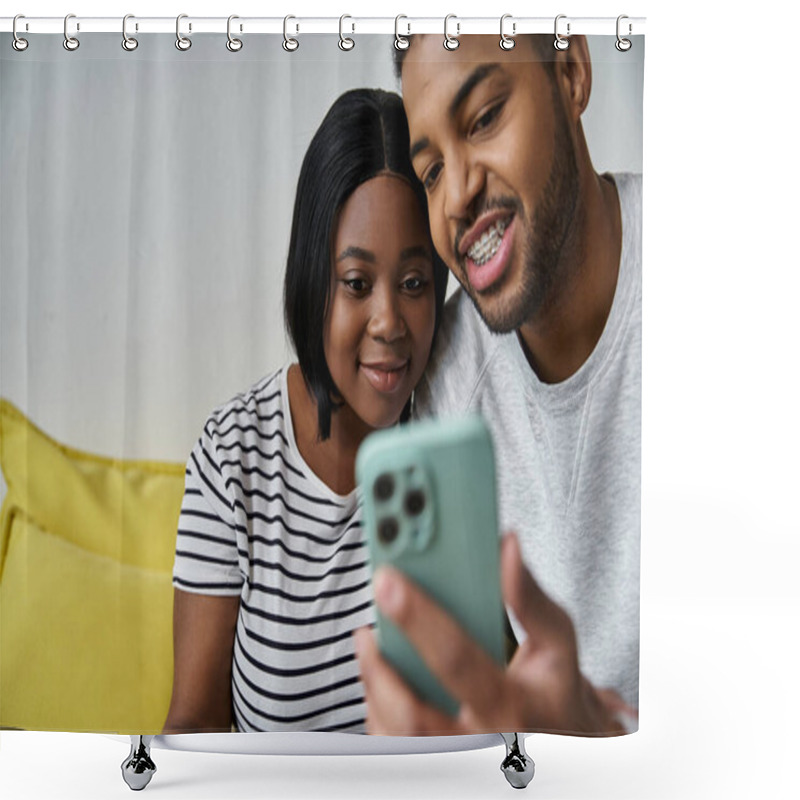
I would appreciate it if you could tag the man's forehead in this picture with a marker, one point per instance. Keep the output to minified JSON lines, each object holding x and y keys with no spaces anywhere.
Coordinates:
{"x":429,"y":66}
{"x":428,"y":47}
{"x":429,"y":69}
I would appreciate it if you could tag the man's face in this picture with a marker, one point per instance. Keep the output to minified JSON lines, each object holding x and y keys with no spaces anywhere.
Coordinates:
{"x":491,"y":142}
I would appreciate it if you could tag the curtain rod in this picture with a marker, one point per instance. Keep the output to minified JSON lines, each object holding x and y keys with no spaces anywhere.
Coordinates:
{"x":299,"y":24}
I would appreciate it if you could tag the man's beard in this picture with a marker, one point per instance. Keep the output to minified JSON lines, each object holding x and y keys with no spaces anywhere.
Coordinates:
{"x":544,"y":273}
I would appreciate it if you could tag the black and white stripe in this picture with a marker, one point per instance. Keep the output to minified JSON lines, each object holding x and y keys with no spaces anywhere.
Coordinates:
{"x":256,"y":522}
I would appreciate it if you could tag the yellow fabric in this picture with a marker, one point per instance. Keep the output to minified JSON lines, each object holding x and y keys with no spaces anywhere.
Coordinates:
{"x":86,"y":551}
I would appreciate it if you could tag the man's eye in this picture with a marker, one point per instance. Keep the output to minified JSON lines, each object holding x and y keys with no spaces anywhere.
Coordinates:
{"x":430,"y":176}
{"x":488,"y":118}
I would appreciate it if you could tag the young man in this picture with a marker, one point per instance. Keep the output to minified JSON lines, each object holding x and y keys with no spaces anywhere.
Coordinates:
{"x":544,"y":340}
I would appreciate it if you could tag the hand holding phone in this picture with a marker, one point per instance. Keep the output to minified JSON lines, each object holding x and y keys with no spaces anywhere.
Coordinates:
{"x":430,"y":511}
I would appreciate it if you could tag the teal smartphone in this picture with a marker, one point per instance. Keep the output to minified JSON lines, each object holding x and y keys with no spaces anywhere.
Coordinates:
{"x":430,"y":510}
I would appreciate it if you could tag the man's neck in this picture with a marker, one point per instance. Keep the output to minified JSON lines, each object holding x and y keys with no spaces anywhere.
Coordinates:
{"x":563,"y":335}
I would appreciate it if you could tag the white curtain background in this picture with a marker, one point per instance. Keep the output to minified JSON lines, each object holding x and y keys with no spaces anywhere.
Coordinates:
{"x":145,"y":212}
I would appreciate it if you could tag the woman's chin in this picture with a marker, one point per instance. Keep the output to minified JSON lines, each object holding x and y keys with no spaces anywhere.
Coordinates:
{"x":378,"y":420}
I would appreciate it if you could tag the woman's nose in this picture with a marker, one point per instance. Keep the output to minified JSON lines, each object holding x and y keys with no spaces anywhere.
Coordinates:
{"x":386,"y":320}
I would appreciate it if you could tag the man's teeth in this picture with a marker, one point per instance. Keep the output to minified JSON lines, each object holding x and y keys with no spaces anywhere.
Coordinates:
{"x":483,"y":250}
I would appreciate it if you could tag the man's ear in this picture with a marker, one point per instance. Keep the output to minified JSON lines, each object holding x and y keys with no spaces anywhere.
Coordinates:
{"x":574,"y":69}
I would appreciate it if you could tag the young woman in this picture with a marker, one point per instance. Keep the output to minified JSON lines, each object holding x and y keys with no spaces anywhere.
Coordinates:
{"x":270,"y":572}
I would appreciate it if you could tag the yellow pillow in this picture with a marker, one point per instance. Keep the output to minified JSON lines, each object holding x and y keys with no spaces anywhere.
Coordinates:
{"x":86,"y":551}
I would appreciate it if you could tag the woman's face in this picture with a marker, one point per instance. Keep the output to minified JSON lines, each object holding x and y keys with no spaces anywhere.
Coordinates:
{"x":379,"y":325}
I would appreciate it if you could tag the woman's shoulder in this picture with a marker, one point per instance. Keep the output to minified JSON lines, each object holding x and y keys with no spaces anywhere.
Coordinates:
{"x":259,"y":409}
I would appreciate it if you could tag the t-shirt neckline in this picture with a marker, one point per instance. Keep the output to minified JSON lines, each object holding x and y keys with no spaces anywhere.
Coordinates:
{"x":347,"y":501}
{"x":563,"y":391}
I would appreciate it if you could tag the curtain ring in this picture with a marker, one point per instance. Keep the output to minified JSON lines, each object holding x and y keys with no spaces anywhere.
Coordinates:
{"x":561,"y":42}
{"x":345,"y":42}
{"x":623,"y":45}
{"x":506,"y":42}
{"x":182,"y":42}
{"x":18,"y":43}
{"x":401,"y":42}
{"x":233,"y":44}
{"x":451,"y":42}
{"x":129,"y":43}
{"x":70,"y":42}
{"x":289,"y":44}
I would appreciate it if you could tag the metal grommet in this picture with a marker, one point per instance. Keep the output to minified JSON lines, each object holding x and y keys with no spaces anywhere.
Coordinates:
{"x":401,"y":42}
{"x":561,"y":42}
{"x":233,"y":44}
{"x":623,"y":45}
{"x":18,"y":43}
{"x":128,"y":42}
{"x":506,"y":42}
{"x":451,"y":42}
{"x":70,"y":42}
{"x":182,"y":42}
{"x":345,"y":42}
{"x":289,"y":44}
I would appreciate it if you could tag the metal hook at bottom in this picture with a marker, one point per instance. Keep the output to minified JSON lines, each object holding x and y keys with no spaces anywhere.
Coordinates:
{"x":517,"y":766}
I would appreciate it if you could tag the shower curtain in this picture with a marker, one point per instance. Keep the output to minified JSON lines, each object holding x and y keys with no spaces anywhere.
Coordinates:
{"x":146,"y":212}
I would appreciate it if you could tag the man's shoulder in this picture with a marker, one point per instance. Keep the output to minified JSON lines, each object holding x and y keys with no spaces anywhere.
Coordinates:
{"x":463,"y":350}
{"x":629,"y":189}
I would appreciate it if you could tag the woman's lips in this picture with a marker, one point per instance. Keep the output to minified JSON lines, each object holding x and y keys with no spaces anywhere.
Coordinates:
{"x":483,"y":276}
{"x":385,"y":378}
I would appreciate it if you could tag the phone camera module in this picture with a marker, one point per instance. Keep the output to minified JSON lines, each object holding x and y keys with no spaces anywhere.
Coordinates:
{"x":414,"y":502}
{"x":388,"y":530}
{"x":384,"y":487}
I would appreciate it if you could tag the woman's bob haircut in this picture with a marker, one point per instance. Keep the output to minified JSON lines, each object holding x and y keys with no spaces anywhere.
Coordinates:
{"x":364,"y":134}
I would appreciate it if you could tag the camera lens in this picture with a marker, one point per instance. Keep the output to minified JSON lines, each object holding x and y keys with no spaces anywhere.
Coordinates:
{"x":384,"y":487}
{"x":388,"y":530}
{"x":414,"y":502}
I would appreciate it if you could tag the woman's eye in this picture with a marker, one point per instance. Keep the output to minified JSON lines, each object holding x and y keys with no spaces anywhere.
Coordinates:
{"x":356,"y":285}
{"x":431,"y":175}
{"x":414,"y":284}
{"x":488,"y":118}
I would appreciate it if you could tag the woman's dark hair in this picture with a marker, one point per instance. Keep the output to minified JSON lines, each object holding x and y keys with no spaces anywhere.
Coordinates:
{"x":364,"y":133}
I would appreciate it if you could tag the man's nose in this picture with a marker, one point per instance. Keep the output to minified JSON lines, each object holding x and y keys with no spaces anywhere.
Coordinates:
{"x":464,"y":181}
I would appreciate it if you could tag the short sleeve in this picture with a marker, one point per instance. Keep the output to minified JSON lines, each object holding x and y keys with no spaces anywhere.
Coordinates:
{"x":206,"y":553}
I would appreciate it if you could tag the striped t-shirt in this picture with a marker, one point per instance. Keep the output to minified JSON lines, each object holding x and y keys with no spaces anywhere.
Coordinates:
{"x":258,"y":523}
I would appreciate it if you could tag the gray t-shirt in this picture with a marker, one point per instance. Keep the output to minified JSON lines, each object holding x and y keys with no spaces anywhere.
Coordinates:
{"x":568,"y":457}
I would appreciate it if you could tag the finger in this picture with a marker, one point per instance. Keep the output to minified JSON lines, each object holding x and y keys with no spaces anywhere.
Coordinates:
{"x":462,"y":666}
{"x":614,"y":703}
{"x":392,"y":708}
{"x":545,"y":622}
